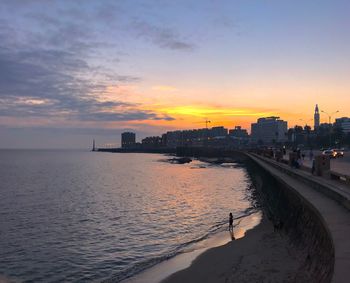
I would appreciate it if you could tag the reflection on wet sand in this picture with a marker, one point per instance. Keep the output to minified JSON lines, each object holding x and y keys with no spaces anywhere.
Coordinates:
{"x":164,"y":269}
{"x":232,"y":235}
{"x":239,"y":233}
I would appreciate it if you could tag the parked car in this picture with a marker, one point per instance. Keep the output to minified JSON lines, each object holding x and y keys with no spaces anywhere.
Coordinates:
{"x":339,"y":153}
{"x":330,"y":152}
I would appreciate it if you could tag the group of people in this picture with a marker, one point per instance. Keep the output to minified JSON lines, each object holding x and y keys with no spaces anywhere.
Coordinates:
{"x":298,"y":158}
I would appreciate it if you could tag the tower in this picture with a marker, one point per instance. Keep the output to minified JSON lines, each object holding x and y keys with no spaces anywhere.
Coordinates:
{"x":316,"y":118}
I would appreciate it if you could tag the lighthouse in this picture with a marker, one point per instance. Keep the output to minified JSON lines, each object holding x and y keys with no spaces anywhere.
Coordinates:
{"x":93,"y":145}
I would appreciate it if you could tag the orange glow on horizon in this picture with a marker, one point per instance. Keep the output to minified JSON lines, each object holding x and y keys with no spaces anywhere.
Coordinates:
{"x":190,"y":107}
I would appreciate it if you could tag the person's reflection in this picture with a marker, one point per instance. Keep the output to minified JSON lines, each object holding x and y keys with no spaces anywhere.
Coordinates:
{"x":232,"y":235}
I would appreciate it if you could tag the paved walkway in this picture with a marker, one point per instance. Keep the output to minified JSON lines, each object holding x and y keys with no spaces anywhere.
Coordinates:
{"x":339,"y":165}
{"x":335,"y":216}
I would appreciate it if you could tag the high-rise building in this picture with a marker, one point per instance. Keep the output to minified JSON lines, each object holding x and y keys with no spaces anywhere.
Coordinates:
{"x":316,"y":118}
{"x":343,"y":123}
{"x":269,"y":130}
{"x":128,"y":139}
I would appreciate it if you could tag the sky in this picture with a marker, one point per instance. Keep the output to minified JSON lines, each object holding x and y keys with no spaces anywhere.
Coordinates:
{"x":73,"y":71}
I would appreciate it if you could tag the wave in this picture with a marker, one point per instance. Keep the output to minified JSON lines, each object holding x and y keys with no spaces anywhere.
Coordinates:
{"x":182,"y":248}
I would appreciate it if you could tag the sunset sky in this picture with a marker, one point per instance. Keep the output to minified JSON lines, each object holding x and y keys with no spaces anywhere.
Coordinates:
{"x":71,"y":71}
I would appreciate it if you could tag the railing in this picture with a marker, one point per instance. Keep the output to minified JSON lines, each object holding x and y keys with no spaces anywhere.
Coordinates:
{"x":342,"y":178}
{"x":332,"y":191}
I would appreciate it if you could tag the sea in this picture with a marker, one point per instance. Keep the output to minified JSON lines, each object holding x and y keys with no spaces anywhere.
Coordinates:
{"x":80,"y":216}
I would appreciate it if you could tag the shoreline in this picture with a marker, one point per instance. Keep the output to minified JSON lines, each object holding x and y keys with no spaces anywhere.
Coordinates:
{"x":262,"y":255}
{"x":159,"y":272}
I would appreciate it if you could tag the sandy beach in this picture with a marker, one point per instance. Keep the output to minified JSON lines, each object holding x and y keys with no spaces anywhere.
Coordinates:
{"x":263,"y":255}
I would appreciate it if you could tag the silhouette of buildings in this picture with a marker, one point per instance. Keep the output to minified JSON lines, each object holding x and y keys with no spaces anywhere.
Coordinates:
{"x":316,"y":118}
{"x":238,"y":132}
{"x":238,"y":137}
{"x":343,"y":123}
{"x":196,"y":137}
{"x":266,"y":131}
{"x":151,"y":142}
{"x":269,"y":130}
{"x":218,"y":132}
{"x":128,"y":140}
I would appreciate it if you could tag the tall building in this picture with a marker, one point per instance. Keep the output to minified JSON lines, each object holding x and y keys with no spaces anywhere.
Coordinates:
{"x":316,"y":118}
{"x":269,"y":130}
{"x":128,"y":140}
{"x":343,"y":123}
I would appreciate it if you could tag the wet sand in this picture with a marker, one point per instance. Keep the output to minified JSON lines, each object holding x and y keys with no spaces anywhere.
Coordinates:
{"x":183,"y":260}
{"x":262,"y":255}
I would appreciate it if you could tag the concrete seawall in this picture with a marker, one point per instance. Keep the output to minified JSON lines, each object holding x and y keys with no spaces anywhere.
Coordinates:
{"x":314,"y":216}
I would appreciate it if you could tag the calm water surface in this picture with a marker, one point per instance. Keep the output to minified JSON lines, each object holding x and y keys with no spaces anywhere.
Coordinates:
{"x":83,"y":216}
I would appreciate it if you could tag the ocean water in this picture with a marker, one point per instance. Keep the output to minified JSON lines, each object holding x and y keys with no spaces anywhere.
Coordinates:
{"x":88,"y":216}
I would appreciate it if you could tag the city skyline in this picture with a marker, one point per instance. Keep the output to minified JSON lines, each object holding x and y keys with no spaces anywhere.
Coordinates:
{"x":96,"y":69}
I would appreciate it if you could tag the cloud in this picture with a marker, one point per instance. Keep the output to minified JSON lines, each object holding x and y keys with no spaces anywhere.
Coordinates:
{"x":162,"y":36}
{"x":134,"y":115}
{"x":59,"y":83}
{"x":50,"y":68}
{"x":164,"y":88}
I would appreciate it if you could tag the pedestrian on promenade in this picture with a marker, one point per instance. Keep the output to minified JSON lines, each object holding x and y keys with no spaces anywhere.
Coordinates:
{"x":313,"y":168}
{"x":230,"y":221}
{"x":298,"y":153}
{"x":311,"y":154}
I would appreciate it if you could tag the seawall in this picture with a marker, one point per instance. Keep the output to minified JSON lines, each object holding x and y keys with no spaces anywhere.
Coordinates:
{"x":315,"y":223}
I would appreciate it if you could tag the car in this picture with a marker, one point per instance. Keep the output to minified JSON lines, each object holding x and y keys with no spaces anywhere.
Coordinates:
{"x":339,"y":153}
{"x":330,"y":152}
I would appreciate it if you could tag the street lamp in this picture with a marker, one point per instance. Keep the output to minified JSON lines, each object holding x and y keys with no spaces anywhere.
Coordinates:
{"x":305,"y":121}
{"x":329,"y":115}
{"x":330,"y":126}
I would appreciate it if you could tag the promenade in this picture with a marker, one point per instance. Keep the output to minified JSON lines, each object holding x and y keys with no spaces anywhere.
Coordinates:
{"x":330,"y":200}
{"x":339,"y":165}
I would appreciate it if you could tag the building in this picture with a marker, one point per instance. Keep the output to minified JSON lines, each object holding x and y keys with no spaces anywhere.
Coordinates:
{"x":218,"y":132}
{"x":238,"y":137}
{"x":151,"y":142}
{"x":128,"y":140}
{"x":238,"y":132}
{"x":316,"y":118}
{"x":343,"y":123}
{"x":173,"y":139}
{"x":269,"y":130}
{"x":195,"y":137}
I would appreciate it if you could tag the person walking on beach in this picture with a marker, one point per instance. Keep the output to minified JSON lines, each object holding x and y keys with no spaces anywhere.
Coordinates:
{"x":230,"y":221}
